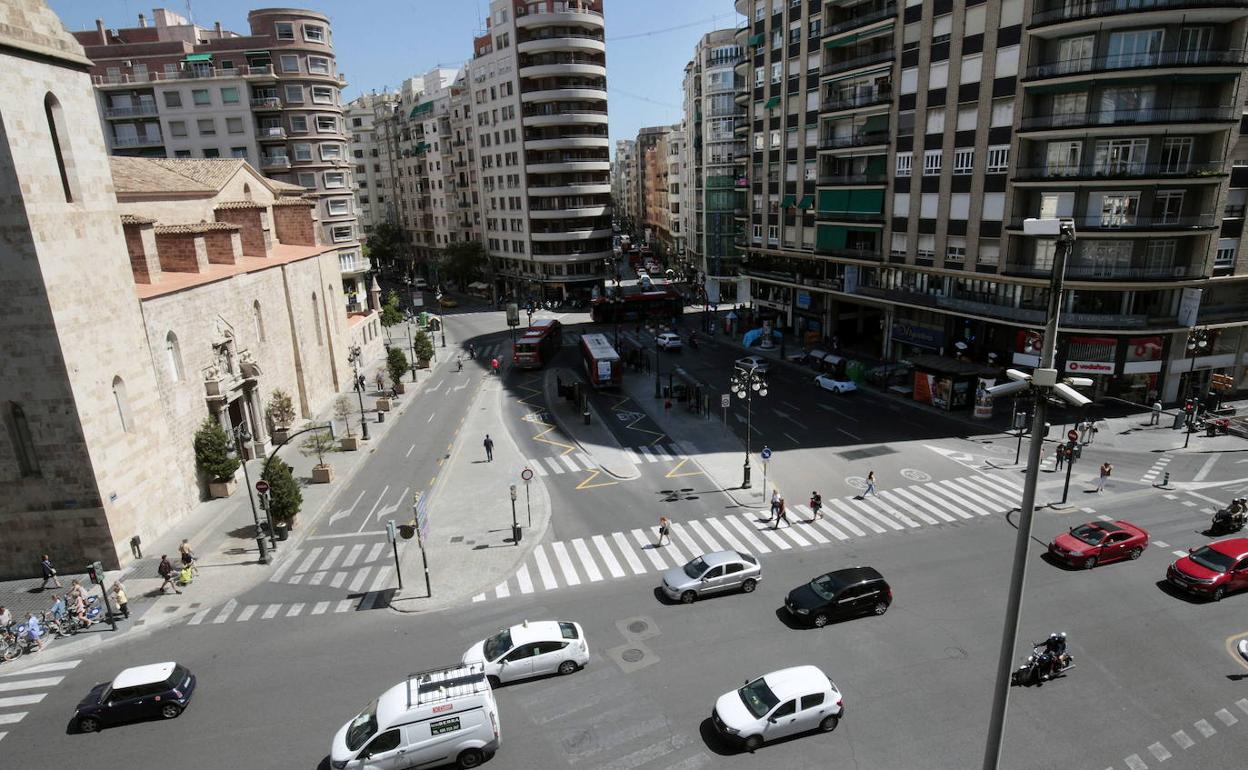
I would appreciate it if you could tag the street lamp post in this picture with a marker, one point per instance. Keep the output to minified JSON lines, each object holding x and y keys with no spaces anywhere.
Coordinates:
{"x":354,"y":358}
{"x":1196,"y":340}
{"x":241,"y":437}
{"x":745,"y":383}
{"x":654,"y":332}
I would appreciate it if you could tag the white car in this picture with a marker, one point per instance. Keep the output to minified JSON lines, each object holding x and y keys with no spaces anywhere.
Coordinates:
{"x":828,"y":382}
{"x":776,"y":705}
{"x":531,"y":649}
{"x":756,"y":364}
{"x":669,"y":341}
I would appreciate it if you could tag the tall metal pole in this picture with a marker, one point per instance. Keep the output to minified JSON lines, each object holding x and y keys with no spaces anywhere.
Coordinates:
{"x":255,"y":515}
{"x":749,"y":400}
{"x":1022,"y":540}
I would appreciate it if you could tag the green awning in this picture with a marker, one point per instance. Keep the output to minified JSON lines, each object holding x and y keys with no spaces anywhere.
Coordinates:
{"x":866,"y":201}
{"x":840,"y":41}
{"x":756,"y":39}
{"x":864,"y":76}
{"x":876,"y":164}
{"x":833,"y":200}
{"x":875,"y":124}
{"x":806,"y":202}
{"x":788,"y":201}
{"x":830,"y":237}
{"x":420,"y":108}
{"x":198,"y":57}
{"x":255,"y":53}
{"x":771,"y":103}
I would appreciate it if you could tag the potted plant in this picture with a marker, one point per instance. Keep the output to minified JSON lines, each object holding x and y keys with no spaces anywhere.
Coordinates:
{"x":317,"y":444}
{"x":285,"y":499}
{"x":424,"y":349}
{"x":281,"y":413}
{"x":343,"y":410}
{"x":214,"y":457}
{"x":396,"y":364}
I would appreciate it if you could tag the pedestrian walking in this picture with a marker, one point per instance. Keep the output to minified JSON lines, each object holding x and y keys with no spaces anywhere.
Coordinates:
{"x":782,"y":515}
{"x":1060,"y":458}
{"x":34,"y":631}
{"x":775,"y":504}
{"x":667,"y":406}
{"x":816,"y":505}
{"x":1106,"y":471}
{"x":379,"y":380}
{"x":6,"y":618}
{"x":494,"y":365}
{"x":665,"y":531}
{"x":49,"y":572}
{"x":136,"y":547}
{"x":870,"y":490}
{"x":1155,"y":419}
{"x":489,"y":449}
{"x":165,"y":570}
{"x":119,"y":596}
{"x":188,"y":556}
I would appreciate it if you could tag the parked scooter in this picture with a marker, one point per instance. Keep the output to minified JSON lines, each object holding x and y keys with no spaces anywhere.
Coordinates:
{"x":1230,"y":518}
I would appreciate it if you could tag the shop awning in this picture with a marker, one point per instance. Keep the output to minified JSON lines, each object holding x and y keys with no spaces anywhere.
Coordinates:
{"x":843,"y":41}
{"x":806,"y":202}
{"x":788,"y":201}
{"x":420,"y":108}
{"x":198,"y":57}
{"x":756,"y":39}
{"x":771,"y":103}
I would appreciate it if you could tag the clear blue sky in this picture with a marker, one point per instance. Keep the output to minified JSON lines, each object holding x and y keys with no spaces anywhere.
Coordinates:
{"x":648,"y":41}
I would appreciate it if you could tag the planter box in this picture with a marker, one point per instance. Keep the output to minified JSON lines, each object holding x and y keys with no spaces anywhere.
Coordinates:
{"x":383,"y":404}
{"x":399,"y":389}
{"x":280,"y":435}
{"x":422,"y":363}
{"x":322,"y":474}
{"x":218,"y":488}
{"x":349,"y":443}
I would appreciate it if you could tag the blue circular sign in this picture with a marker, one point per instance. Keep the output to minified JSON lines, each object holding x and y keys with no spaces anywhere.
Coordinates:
{"x":766,"y":453}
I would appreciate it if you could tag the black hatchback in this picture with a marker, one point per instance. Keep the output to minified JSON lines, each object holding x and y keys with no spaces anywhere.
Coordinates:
{"x":143,"y":692}
{"x":840,"y":594}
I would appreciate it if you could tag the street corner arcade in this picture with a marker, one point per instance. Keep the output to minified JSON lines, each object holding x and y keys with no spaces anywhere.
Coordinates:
{"x":1195,"y":356}
{"x":1122,"y":367}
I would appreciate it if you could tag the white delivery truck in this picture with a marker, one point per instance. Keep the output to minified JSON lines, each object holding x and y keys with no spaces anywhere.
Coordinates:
{"x":437,"y":717}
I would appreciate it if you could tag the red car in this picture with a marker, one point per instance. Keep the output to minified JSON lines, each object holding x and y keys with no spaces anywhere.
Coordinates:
{"x":1097,"y":542}
{"x":1212,"y":570}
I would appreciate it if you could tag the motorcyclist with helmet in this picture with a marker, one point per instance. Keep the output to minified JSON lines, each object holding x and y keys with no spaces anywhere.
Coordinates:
{"x":1055,"y":652}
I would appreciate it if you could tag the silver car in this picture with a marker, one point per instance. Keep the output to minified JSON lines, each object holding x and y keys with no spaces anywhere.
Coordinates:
{"x":712,"y":573}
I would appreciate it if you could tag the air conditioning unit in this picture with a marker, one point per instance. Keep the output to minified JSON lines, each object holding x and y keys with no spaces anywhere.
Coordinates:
{"x":127,"y":63}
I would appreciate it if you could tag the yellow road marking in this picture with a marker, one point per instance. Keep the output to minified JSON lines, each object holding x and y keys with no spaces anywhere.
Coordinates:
{"x":672,"y":474}
{"x":594,"y":474}
{"x":630,"y":426}
{"x":567,"y":448}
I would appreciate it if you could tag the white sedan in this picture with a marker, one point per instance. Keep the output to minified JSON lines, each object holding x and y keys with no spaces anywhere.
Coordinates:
{"x":828,"y":382}
{"x":668,"y":341}
{"x":533,"y":648}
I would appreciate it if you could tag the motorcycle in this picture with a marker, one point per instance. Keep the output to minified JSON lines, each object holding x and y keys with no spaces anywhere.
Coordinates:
{"x":1230,"y":518}
{"x":1039,"y":667}
{"x":693,"y":341}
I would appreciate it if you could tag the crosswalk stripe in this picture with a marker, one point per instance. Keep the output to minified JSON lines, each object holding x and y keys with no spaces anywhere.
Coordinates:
{"x":871,"y":514}
{"x":270,"y":611}
{"x":339,"y":578}
{"x":247,"y":612}
{"x":381,"y":579}
{"x":795,"y":534}
{"x":2,"y":734}
{"x":706,"y":536}
{"x":501,"y":590}
{"x":198,"y":617}
{"x":295,"y":609}
{"x":555,"y":466}
{"x":659,"y":453}
{"x":22,"y":700}
{"x":225,"y":612}
{"x":809,"y":529}
{"x":358,"y":581}
{"x":308,"y":561}
{"x":747,"y":533}
{"x":537,"y":467}
{"x":333,"y":554}
{"x":972,"y":493}
{"x":842,"y":521}
{"x":608,"y":558}
{"x":523,"y":581}
{"x":343,"y":606}
{"x":565,"y":564}
{"x":352,"y":555}
{"x":850,"y":513}
{"x":1009,"y":484}
{"x":317,"y":579}
{"x":319,"y":608}
{"x":11,"y":719}
{"x":374,"y":552}
{"x":645,"y":452}
{"x":28,"y":684}
{"x":823,"y":523}
{"x":893,"y":506}
{"x":987,"y":488}
{"x":568,"y":462}
{"x":937,"y":496}
{"x":968,"y":498}
{"x":920,"y":503}
{"x":671,"y":547}
{"x":634,"y":563}
{"x":650,"y":552}
{"x":543,"y":569}
{"x":674,"y":451}
{"x":1008,"y":489}
{"x":958,"y":501}
{"x":764,"y":529}
{"x":728,"y":537}
{"x":691,"y":544}
{"x":42,"y":668}
{"x":284,"y":567}
{"x":584,"y":460}
{"x":632,"y":456}
{"x":591,"y":569}
{"x":883,"y":505}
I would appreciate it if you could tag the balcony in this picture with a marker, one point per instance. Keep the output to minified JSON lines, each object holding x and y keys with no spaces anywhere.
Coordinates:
{"x":864,"y":139}
{"x":834,"y":66}
{"x":851,"y":216}
{"x":137,"y":141}
{"x":194,"y":73}
{"x":266,"y":103}
{"x":275,"y":161}
{"x":271,"y":133}
{"x":831,"y":180}
{"x":1211,"y":170}
{"x":1129,"y":117}
{"x":1057,"y":11}
{"x":1165,"y":59}
{"x":869,"y":14}
{"x":1132,"y":223}
{"x":147,"y":109}
{"x":1075,"y":271}
{"x":867,"y":255}
{"x":959,"y":304}
{"x":861,"y":98}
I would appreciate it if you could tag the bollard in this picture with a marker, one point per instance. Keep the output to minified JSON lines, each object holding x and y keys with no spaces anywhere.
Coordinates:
{"x":1165,"y":481}
{"x":381,"y":417}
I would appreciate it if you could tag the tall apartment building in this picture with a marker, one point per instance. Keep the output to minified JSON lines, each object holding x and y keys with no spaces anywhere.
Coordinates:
{"x":364,"y":147}
{"x":661,"y":188}
{"x":538,"y":79}
{"x":896,"y":148}
{"x":673,"y":220}
{"x":623,"y":183}
{"x":273,"y":97}
{"x":645,"y":166}
{"x":714,"y":160}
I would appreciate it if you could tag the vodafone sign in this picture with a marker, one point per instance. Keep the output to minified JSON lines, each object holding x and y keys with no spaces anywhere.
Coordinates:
{"x":1090,"y":367}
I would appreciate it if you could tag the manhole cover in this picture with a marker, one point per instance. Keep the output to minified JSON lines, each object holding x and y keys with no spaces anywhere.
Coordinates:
{"x":632,"y":655}
{"x":638,"y":626}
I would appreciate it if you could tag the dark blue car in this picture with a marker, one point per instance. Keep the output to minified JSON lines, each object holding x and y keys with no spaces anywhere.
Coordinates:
{"x":143,"y":692}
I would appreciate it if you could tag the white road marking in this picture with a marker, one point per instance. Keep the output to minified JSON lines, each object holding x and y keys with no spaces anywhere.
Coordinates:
{"x":572,"y":466}
{"x":727,"y":536}
{"x":793,"y":534}
{"x":1135,"y":763}
{"x":374,"y":552}
{"x":329,"y":559}
{"x":376,"y":505}
{"x":809,"y":530}
{"x":662,"y":455}
{"x":1226,"y":717}
{"x":648,"y":549}
{"x":22,"y":700}
{"x":1179,"y":553}
{"x":849,"y":512}
{"x":537,"y":468}
{"x":585,"y":460}
{"x":1161,"y":544}
{"x":1159,"y":751}
{"x":827,"y":526}
{"x":543,"y":569}
{"x":645,"y":452}
{"x":11,"y":719}
{"x":523,"y":581}
{"x":1103,"y":517}
{"x":30,"y":684}
{"x":284,"y":567}
{"x":1204,"y":469}
{"x":971,"y":493}
{"x":358,"y":581}
{"x":956,"y":498}
{"x":1243,"y":704}
{"x":940,"y":495}
{"x":917,"y":502}
{"x":247,"y":612}
{"x":316,"y":579}
{"x":43,"y":668}
{"x":270,"y":611}
{"x":608,"y":558}
{"x":888,"y":503}
{"x":352,"y":555}
{"x":702,"y":532}
{"x":1204,"y":728}
{"x":225,"y":612}
{"x":345,"y":512}
{"x":555,"y":466}
{"x":764,"y":529}
{"x":866,"y":510}
{"x":409,"y":450}
{"x":380,"y":579}
{"x":565,"y":564}
{"x":295,"y":609}
{"x":587,"y":560}
{"x":339,"y":578}
{"x":632,"y":456}
{"x":308,"y":561}
{"x":343,"y":606}
{"x":746,"y":531}
{"x":1183,"y":740}
{"x":198,"y":617}
{"x":634,"y":563}
{"x":501,"y":591}
{"x":319,"y":608}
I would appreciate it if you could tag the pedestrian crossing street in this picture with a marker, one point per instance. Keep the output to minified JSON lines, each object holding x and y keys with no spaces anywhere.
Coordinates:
{"x":27,"y":687}
{"x":575,"y":462}
{"x":628,"y":553}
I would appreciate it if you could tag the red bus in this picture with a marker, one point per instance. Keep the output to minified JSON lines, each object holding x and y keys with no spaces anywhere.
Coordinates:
{"x":538,"y":345}
{"x":660,"y":304}
{"x":602,"y":363}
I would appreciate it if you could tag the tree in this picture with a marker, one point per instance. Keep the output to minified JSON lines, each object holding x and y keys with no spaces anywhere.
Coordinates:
{"x":316,"y":444}
{"x":396,"y":363}
{"x":391,"y":315}
{"x":285,"y":499}
{"x":280,"y":409}
{"x":343,"y":409}
{"x":212,"y":451}
{"x":423,"y":346}
{"x":386,"y":244}
{"x":463,"y":261}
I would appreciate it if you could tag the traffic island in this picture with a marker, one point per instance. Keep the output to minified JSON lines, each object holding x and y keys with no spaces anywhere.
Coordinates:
{"x":594,"y":437}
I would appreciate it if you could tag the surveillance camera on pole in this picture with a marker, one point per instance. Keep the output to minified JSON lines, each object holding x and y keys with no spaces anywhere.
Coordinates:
{"x":1046,"y":378}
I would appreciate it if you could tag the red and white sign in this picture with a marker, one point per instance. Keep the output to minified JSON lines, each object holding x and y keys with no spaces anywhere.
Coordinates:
{"x":262,"y":486}
{"x":526,"y":474}
{"x":1091,"y":367}
{"x":1073,"y":435}
{"x":443,"y":707}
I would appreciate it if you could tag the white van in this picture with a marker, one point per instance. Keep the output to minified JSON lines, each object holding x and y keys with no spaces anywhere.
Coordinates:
{"x":434,"y":718}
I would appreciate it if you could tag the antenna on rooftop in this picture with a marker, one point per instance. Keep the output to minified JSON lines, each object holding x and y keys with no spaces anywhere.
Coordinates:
{"x":190,"y":13}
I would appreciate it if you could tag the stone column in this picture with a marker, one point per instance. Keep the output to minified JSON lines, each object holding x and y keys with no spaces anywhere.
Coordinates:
{"x":374,"y":296}
{"x":259,"y":429}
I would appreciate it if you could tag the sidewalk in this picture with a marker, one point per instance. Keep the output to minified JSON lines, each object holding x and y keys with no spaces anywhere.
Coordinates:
{"x":222,"y":533}
{"x":594,"y":439}
{"x":469,"y":545}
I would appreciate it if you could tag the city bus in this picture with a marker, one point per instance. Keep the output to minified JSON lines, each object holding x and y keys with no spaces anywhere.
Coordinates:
{"x":602,"y":363}
{"x":538,"y":345}
{"x":660,"y":304}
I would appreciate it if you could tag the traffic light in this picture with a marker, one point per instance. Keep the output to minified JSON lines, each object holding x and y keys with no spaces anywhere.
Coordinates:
{"x":1189,"y":405}
{"x":95,"y":573}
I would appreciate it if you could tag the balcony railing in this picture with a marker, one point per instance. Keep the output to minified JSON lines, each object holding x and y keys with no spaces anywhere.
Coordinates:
{"x":1120,"y":171}
{"x":832,"y":67}
{"x":1227,"y":58}
{"x":876,"y":13}
{"x":267,"y":102}
{"x":869,"y":255}
{"x":137,"y":141}
{"x":275,"y":161}
{"x":827,"y":180}
{"x":194,"y":73}
{"x":1129,"y":117}
{"x":272,"y":132}
{"x":1128,"y":223}
{"x":1069,"y":10}
{"x":136,"y":111}
{"x":1086,"y":272}
{"x":851,"y":216}
{"x":853,"y":140}
{"x":862,"y":98}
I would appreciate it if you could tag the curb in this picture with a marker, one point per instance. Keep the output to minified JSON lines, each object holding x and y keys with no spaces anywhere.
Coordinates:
{"x":594,"y":414}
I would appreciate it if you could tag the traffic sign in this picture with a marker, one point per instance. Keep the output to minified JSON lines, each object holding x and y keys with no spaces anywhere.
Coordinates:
{"x":262,"y":486}
{"x":526,"y":474}
{"x":1072,"y":434}
{"x":725,"y":400}
{"x":766,"y":453}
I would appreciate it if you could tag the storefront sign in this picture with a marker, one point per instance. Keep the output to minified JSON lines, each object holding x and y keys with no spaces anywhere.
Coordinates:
{"x":1141,"y":367}
{"x":1189,"y":306}
{"x":1025,"y":359}
{"x":983,"y":401}
{"x":919,"y":334}
{"x":803,"y":300}
{"x":1090,"y":367}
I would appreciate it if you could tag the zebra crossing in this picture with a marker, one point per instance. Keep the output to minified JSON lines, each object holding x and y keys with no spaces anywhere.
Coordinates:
{"x":338,"y":566}
{"x":575,"y":462}
{"x":1157,"y":469}
{"x":629,"y":553}
{"x":28,"y":687}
